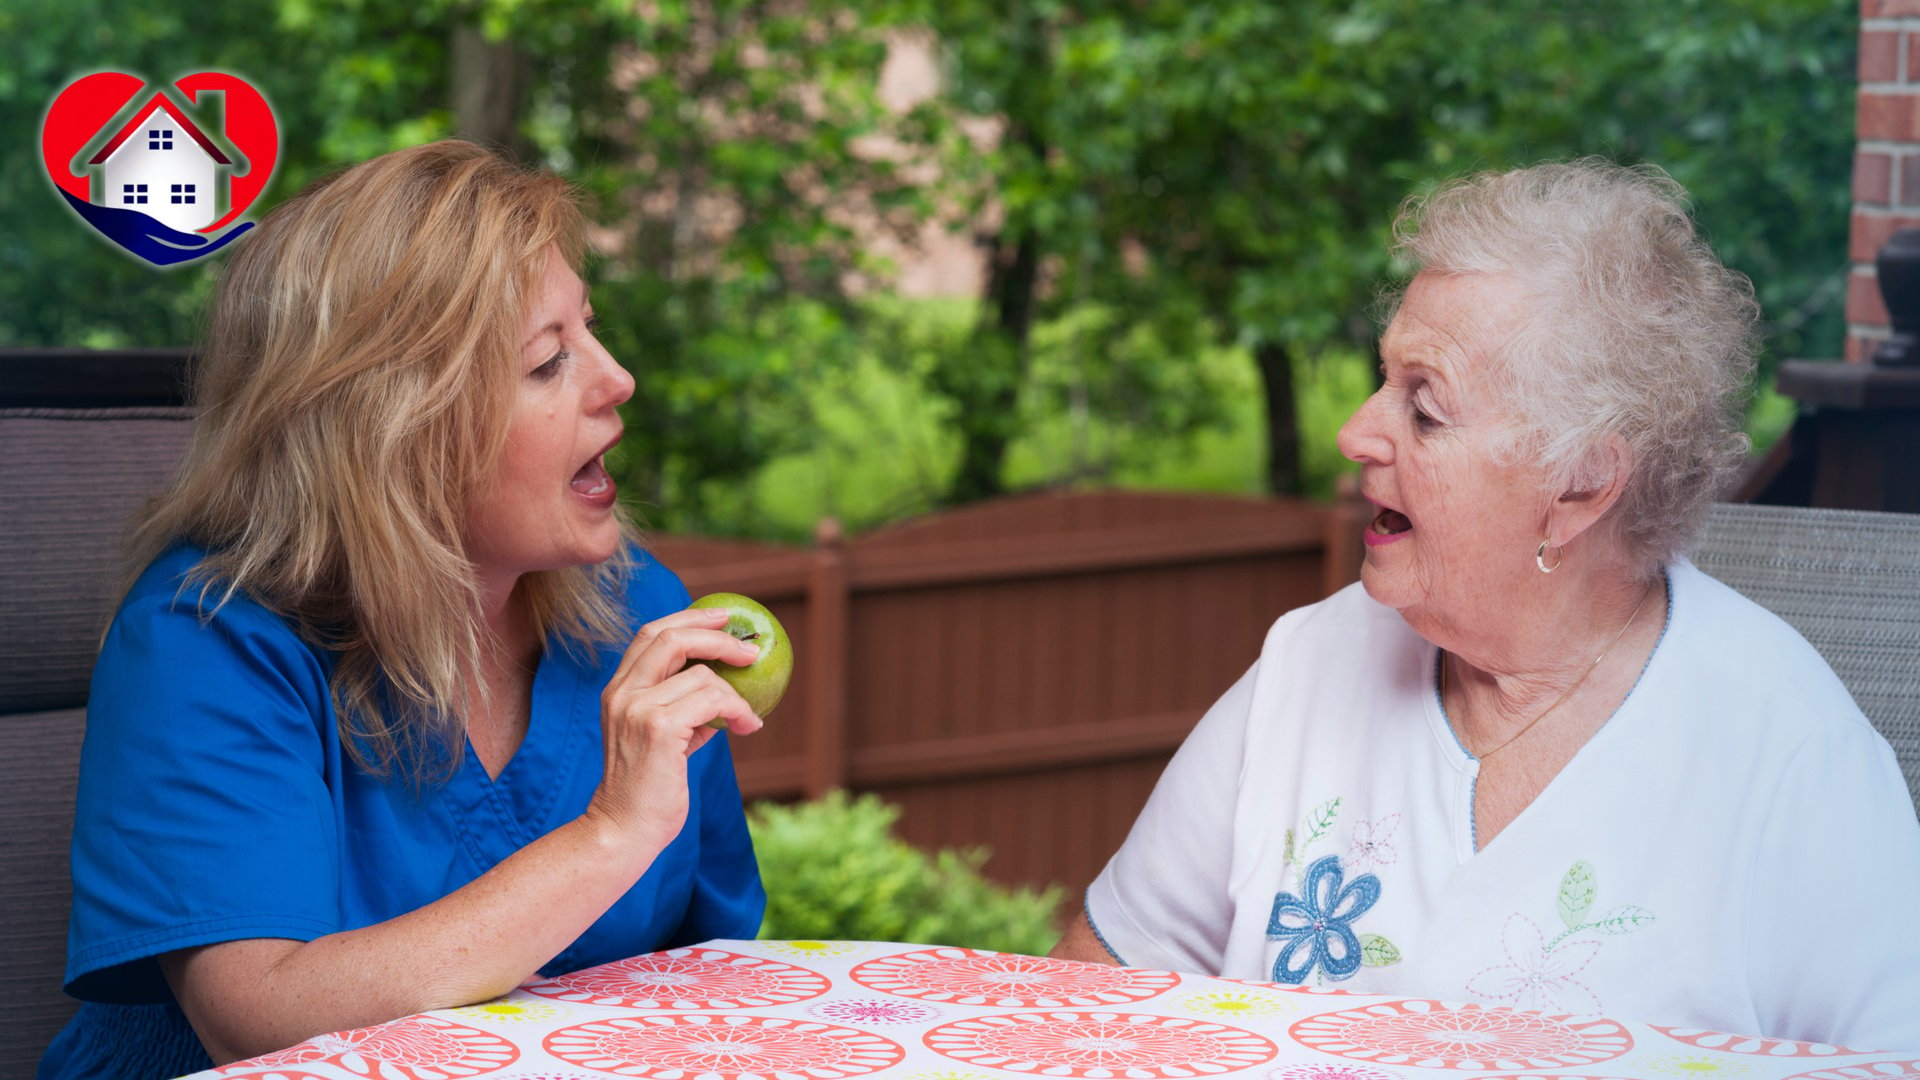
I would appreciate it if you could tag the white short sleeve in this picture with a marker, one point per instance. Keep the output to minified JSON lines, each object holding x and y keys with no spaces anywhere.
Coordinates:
{"x":1163,"y":901}
{"x":1833,"y":936}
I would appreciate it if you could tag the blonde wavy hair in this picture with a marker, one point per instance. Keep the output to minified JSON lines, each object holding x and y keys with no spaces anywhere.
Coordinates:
{"x":353,"y":397}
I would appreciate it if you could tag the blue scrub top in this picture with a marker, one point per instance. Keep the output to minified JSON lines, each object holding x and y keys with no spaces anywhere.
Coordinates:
{"x":217,"y":803}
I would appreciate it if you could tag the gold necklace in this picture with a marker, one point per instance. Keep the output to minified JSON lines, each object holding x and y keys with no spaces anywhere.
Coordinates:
{"x":1648,"y":591}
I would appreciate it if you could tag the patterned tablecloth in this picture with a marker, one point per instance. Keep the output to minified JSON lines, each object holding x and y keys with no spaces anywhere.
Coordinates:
{"x":831,"y":1010}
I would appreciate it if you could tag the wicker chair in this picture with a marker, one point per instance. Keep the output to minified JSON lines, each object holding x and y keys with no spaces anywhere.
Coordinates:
{"x":1849,"y":581}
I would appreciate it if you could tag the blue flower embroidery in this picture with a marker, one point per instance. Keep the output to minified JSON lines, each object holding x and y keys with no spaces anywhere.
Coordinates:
{"x":1315,"y":927}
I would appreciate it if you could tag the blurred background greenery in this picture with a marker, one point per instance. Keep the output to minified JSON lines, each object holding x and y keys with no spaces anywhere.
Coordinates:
{"x":1182,"y":206}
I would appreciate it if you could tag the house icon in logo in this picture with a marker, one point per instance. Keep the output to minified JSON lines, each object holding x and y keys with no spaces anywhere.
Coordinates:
{"x":163,"y":165}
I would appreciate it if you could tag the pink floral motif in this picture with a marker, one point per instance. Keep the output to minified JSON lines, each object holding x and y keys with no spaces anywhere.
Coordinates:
{"x":674,"y":1046}
{"x":693,"y":978}
{"x":1749,"y":1044}
{"x":1432,"y":1035}
{"x":971,"y":977}
{"x":415,"y":1048}
{"x":1372,"y":845}
{"x":1535,"y":976}
{"x":1100,"y":1045}
{"x":1328,"y":1071}
{"x":1869,"y":1070}
{"x":874,"y":1011}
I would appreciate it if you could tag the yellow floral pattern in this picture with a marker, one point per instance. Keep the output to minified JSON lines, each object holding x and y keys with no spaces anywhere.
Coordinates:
{"x":1234,"y":1004}
{"x":507,"y":1010}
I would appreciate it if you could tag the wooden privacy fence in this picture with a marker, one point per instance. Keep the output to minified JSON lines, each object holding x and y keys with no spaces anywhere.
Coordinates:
{"x":1016,"y":674}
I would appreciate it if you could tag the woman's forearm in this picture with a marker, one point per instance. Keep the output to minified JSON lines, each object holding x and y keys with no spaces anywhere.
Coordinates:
{"x":251,"y":997}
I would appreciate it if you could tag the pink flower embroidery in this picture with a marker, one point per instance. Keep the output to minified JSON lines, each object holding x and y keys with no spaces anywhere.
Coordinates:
{"x":1373,"y":844}
{"x":1536,"y":977}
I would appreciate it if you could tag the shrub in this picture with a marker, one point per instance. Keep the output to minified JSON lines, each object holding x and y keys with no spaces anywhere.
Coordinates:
{"x":835,"y":871}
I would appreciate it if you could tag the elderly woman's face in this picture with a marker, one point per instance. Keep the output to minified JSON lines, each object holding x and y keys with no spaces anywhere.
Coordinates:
{"x":1455,"y":528}
{"x":551,"y":503}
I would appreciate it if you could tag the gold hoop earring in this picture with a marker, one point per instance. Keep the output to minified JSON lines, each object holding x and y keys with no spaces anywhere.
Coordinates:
{"x":1540,"y":558}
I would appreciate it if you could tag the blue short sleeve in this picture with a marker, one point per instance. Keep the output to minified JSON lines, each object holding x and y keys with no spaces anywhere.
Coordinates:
{"x":203,"y":810}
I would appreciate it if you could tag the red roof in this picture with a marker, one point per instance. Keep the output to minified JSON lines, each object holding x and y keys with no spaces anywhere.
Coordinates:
{"x":159,"y":101}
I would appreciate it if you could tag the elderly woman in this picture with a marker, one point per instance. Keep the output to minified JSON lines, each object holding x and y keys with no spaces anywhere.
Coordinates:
{"x":1537,"y":759}
{"x":394,"y":713}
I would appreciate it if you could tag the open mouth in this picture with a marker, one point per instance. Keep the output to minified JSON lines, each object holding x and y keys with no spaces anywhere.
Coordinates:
{"x":592,"y":479}
{"x":1390,"y":523}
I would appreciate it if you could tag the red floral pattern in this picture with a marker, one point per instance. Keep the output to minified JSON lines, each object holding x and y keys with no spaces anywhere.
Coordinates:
{"x":1322,"y":1070}
{"x":415,"y":1048}
{"x":687,"y":979}
{"x":1006,"y":980}
{"x":670,"y":1047}
{"x":1431,"y":1035}
{"x":1100,"y":1045}
{"x":1750,"y":1044}
{"x":739,"y":1010}
{"x":1868,"y":1070}
{"x":873,"y":1011}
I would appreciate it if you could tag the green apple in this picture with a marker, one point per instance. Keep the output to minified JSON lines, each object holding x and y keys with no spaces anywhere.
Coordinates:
{"x":764,"y":681}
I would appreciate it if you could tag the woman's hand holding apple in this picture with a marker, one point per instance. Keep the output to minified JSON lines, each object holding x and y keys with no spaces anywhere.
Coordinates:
{"x":762,"y":681}
{"x":654,"y":714}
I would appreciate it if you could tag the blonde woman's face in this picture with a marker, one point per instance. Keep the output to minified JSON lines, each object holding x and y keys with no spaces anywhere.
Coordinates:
{"x":550,"y":504}
{"x":1456,"y":529}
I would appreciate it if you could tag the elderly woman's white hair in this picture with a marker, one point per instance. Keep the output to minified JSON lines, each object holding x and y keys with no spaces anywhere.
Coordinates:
{"x":1634,"y":330}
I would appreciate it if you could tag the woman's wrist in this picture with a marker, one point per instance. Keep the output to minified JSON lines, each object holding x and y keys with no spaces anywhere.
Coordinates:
{"x":623,"y":835}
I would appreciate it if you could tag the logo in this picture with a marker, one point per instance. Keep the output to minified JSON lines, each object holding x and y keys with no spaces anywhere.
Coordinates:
{"x":161,"y":170}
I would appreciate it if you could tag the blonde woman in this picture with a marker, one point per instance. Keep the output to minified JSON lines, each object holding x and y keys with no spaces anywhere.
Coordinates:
{"x":394,"y":712}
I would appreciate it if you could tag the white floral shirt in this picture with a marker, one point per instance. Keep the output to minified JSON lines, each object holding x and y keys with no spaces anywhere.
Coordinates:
{"x":1735,"y":849}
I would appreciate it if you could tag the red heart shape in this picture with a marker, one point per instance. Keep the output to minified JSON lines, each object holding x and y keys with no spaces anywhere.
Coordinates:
{"x":80,"y":112}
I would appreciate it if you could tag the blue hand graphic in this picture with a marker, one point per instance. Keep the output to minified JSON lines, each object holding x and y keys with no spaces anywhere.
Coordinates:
{"x":147,"y":238}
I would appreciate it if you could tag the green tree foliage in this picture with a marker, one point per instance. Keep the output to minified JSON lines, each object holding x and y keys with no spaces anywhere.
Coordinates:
{"x":59,"y":283}
{"x":731,"y":170}
{"x":1241,"y":162}
{"x":717,"y":141}
{"x":834,"y":871}
{"x":1164,"y":177}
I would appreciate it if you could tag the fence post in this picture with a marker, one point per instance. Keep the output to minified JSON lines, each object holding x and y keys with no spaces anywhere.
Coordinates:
{"x":826,"y":662}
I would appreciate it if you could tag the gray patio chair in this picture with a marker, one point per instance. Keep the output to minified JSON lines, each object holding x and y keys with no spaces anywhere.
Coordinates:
{"x":1849,"y":581}
{"x":73,"y":467}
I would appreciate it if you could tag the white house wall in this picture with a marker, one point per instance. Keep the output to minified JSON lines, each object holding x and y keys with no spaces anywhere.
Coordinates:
{"x":186,"y":163}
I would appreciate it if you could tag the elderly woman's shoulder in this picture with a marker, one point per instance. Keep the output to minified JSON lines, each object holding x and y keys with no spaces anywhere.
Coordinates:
{"x":1728,"y":645}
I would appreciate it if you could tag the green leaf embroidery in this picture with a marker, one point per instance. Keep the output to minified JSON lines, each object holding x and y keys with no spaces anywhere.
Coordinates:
{"x":1624,"y":919}
{"x":1320,"y":820}
{"x":1376,"y":951}
{"x":1576,"y":894}
{"x":1290,"y":857}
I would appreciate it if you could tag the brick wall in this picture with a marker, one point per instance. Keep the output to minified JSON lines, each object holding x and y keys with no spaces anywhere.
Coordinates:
{"x":1886,"y":162}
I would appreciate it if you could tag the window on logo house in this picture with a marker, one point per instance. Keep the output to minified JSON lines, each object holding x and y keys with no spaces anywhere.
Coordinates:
{"x":159,"y":139}
{"x":133,"y":194}
{"x":182,"y":193}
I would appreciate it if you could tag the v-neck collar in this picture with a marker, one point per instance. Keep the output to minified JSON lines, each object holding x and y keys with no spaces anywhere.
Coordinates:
{"x":1456,"y":755}
{"x":501,"y":814}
